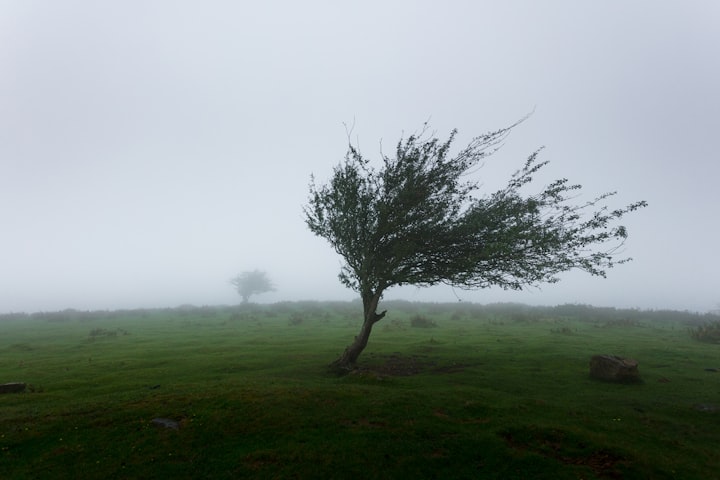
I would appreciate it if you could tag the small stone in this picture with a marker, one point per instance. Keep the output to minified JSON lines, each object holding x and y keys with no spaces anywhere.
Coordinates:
{"x":166,"y":422}
{"x":13,"y":387}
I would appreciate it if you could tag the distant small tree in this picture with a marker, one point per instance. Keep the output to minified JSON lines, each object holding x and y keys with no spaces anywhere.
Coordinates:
{"x":252,"y":283}
{"x":416,"y":221}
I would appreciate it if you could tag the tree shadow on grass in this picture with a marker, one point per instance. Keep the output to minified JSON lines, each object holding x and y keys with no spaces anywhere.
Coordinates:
{"x":399,"y":365}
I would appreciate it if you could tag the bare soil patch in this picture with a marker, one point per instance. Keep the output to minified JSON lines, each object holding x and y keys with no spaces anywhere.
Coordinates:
{"x":399,"y":365}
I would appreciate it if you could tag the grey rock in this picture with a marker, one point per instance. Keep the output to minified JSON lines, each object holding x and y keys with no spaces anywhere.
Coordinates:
{"x":612,"y":368}
{"x":166,"y":422}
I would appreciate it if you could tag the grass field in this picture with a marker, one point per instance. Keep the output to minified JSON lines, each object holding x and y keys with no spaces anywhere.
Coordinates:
{"x":498,"y":391}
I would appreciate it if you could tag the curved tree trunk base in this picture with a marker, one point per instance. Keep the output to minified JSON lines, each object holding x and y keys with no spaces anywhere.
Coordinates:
{"x":347,"y":362}
{"x":340,"y":367}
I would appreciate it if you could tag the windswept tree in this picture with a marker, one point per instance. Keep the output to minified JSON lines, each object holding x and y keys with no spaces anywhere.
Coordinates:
{"x":416,"y":220}
{"x":252,"y":283}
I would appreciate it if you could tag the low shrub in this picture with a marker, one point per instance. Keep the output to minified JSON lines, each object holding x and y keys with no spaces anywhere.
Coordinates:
{"x":418,"y":321}
{"x":562,"y":330}
{"x":709,"y":332}
{"x":296,"y":319}
{"x":102,"y":332}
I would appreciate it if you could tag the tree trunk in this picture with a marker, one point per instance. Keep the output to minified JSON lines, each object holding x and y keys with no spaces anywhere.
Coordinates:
{"x":347,"y":361}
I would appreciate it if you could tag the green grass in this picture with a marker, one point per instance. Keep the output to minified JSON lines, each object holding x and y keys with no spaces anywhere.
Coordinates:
{"x":491,"y":392}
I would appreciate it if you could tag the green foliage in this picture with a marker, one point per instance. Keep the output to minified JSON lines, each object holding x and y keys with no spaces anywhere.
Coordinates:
{"x":417,"y":221}
{"x":252,"y":283}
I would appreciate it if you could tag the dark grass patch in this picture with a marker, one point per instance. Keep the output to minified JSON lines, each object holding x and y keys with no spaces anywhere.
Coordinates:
{"x":569,"y":449}
{"x":405,"y":365}
{"x":97,"y":333}
{"x":397,"y":364}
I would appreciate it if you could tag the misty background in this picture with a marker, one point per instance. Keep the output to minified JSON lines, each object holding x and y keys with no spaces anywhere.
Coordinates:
{"x":152,"y":150}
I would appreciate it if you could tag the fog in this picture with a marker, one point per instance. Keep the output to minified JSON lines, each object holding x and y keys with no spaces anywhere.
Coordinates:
{"x":152,"y":150}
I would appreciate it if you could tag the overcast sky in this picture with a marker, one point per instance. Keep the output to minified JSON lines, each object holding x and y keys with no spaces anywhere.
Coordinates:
{"x":151,"y":150}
